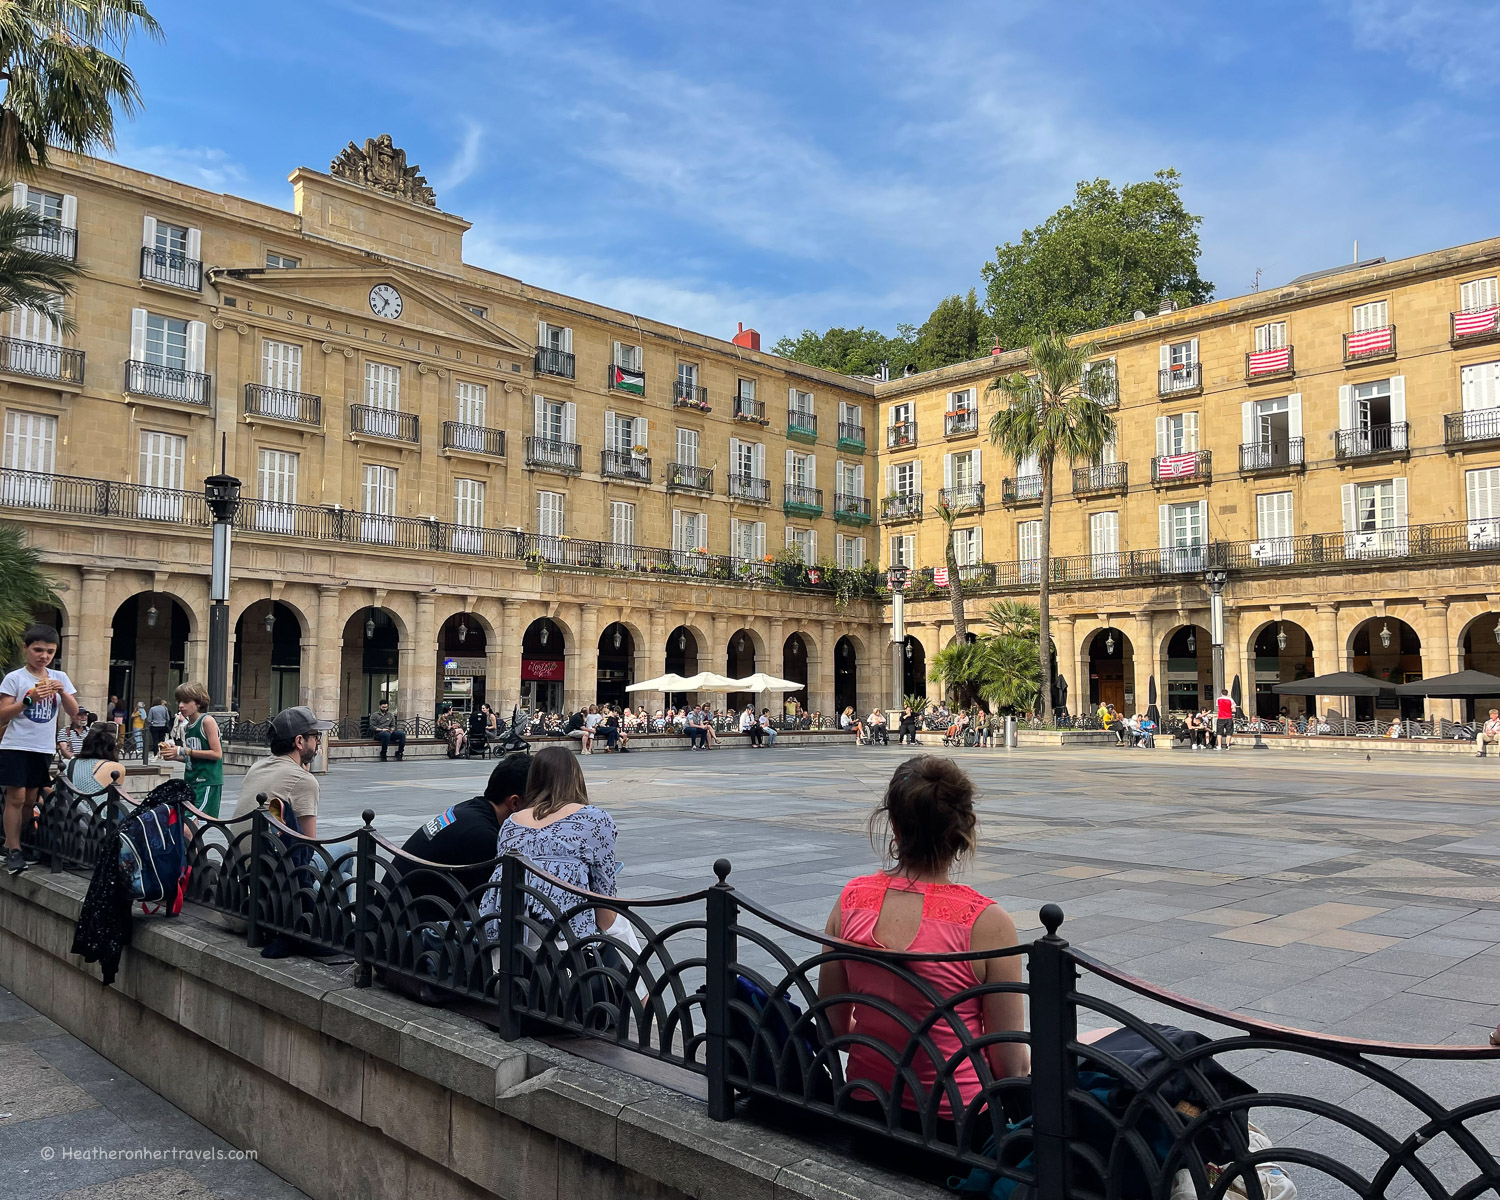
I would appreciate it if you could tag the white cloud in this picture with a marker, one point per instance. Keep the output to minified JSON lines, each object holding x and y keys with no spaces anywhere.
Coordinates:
{"x":466,"y":161}
{"x":202,"y":166}
{"x":1456,"y":40}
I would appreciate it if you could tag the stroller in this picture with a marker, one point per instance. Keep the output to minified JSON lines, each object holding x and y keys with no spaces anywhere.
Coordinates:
{"x":479,"y":735}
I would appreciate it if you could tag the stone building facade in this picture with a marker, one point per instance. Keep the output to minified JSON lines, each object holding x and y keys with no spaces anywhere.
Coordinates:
{"x":457,"y":485}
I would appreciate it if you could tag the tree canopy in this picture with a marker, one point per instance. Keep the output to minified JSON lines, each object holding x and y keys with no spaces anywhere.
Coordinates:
{"x":24,"y":588}
{"x":849,"y":351}
{"x":1096,"y":261}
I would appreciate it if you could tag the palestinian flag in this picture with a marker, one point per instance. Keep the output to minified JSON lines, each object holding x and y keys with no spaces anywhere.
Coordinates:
{"x":623,"y":379}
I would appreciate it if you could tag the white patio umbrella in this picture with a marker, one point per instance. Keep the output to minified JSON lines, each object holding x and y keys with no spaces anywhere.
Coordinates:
{"x":761,"y":683}
{"x":664,"y":683}
{"x":708,"y":681}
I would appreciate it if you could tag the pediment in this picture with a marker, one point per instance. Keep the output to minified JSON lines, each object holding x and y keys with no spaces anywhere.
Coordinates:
{"x":345,"y":293}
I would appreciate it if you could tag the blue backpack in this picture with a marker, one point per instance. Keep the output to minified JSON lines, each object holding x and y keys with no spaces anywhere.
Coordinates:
{"x":152,"y":849}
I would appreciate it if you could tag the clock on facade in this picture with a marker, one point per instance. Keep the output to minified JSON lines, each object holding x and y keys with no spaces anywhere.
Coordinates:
{"x":385,"y":301}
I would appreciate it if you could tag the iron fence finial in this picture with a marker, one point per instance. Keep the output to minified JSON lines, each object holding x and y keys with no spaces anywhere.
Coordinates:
{"x":1052,"y":918}
{"x":721,"y":869}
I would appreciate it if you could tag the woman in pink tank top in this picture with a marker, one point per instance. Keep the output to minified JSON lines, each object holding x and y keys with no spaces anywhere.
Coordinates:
{"x":913,"y":905}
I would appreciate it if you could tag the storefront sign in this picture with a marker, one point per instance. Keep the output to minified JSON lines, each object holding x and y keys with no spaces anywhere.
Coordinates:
{"x":541,"y":668}
{"x":464,"y":666}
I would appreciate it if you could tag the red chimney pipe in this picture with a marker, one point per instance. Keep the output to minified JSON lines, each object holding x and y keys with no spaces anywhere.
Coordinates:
{"x":748,"y":338}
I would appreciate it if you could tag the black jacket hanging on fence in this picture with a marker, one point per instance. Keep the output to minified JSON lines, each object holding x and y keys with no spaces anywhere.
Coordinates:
{"x":103,"y":929}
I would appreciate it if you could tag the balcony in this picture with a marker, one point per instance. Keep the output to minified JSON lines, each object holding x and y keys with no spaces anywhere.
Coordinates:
{"x":368,"y":421}
{"x":973,"y":574}
{"x":961,"y":423}
{"x":801,"y":426}
{"x":1264,"y":365}
{"x":554,"y":362}
{"x":1266,"y":458}
{"x":851,"y":437}
{"x":474,"y":439}
{"x":168,"y":383}
{"x":622,"y":464}
{"x":544,"y":454}
{"x":1184,"y":379}
{"x":967,"y":499}
{"x":625,"y":379}
{"x":1477,"y":427}
{"x":1101,"y":480}
{"x":747,"y":487}
{"x":171,"y":267}
{"x":851,"y":510}
{"x":1370,"y":345}
{"x":38,"y":360}
{"x":689,"y":477}
{"x":902,"y":506}
{"x":688,"y":395}
{"x":55,"y":239}
{"x":1473,"y":327}
{"x":1372,"y":442}
{"x":278,"y":404}
{"x":751,"y":410}
{"x":800,"y":501}
{"x":1027,"y":489}
{"x":1193,"y":466}
{"x":900,"y":433}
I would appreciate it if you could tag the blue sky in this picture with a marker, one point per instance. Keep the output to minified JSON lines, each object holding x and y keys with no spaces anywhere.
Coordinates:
{"x":792,"y":165}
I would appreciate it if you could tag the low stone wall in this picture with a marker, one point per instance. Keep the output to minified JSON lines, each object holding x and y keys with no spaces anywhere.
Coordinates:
{"x":1040,"y":737}
{"x":356,"y":1092}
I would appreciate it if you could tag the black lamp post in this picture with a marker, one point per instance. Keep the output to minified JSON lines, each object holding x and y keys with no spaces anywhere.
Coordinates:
{"x":896,"y":579}
{"x":222,"y":493}
{"x":1216,"y":578}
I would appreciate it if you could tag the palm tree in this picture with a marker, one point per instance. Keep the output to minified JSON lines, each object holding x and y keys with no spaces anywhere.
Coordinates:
{"x":947,"y":515}
{"x":29,"y":277}
{"x":23,"y":590}
{"x":62,"y":81}
{"x":1055,"y":412}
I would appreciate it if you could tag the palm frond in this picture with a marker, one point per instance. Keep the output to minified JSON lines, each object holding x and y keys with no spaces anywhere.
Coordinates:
{"x":24,"y":588}
{"x":30,"y":278}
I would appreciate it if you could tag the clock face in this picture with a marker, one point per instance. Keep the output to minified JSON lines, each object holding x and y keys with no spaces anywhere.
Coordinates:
{"x":385,"y":301}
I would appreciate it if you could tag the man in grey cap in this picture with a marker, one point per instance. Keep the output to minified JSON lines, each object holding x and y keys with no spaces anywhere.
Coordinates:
{"x":296,"y":735}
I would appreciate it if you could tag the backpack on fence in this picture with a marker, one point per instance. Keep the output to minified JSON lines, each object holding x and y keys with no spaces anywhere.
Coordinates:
{"x":153,"y":852}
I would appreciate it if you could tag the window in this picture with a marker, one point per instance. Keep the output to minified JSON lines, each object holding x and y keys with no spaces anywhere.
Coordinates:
{"x":172,"y":239}
{"x":1177,"y":434}
{"x":800,"y":401}
{"x":805,"y":542}
{"x":478,"y":310}
{"x":1370,"y":316}
{"x":848,"y":479}
{"x":1483,"y":491}
{"x":34,"y":338}
{"x":47,"y":205}
{"x":623,"y":435}
{"x":622,"y":522}
{"x":1029,"y":549}
{"x":378,"y":503}
{"x":1372,"y":416}
{"x":30,"y":446}
{"x":162,"y":459}
{"x":1181,"y":355}
{"x":905,"y":478}
{"x":799,"y":469}
{"x":687,"y":447}
{"x":555,"y":337}
{"x":747,"y":540}
{"x":967,"y":547}
{"x":1271,"y":432}
{"x":1183,"y":535}
{"x":1271,"y":336}
{"x":628,"y":357}
{"x":851,"y":416}
{"x":276,"y":480}
{"x":549,"y":514}
{"x":382,"y":386}
{"x":1273,"y":528}
{"x":965,"y":469}
{"x":1374,"y":506}
{"x":689,"y":532}
{"x":1108,"y":382}
{"x":1374,"y":518}
{"x":1478,"y":295}
{"x":281,"y":366}
{"x":551,"y":420}
{"x":900,"y":413}
{"x":166,"y":342}
{"x":961,"y":402}
{"x":468,"y":502}
{"x":904,"y":550}
{"x":747,"y":391}
{"x":742,"y":456}
{"x":281,"y":262}
{"x":1104,"y":543}
{"x":687,"y":381}
{"x":849,"y":552}
{"x":473,"y":399}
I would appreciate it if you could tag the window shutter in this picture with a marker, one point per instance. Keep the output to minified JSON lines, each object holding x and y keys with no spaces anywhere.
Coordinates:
{"x":839,"y":542}
{"x":1161,"y":436}
{"x":148,"y":233}
{"x":890,"y":479}
{"x":734,"y":456}
{"x":758,"y":460}
{"x":858,"y":472}
{"x":791,"y":467}
{"x":1398,"y":399}
{"x":974,"y":458}
{"x":1164,"y":524}
{"x":568,"y":341}
{"x":1203,"y":522}
{"x":197,"y":336}
{"x":611,"y":431}
{"x":1294,"y":415}
{"x":1346,"y":406}
{"x":916,"y":477}
{"x":1193,"y":350}
{"x":790,"y":540}
{"x":947,"y":471}
{"x":138,"y":334}
{"x":812,"y":546}
{"x":541,"y":334}
{"x":538,"y":417}
{"x":1190,"y":431}
{"x":18,"y":195}
{"x":1398,"y":496}
{"x":677,"y":529}
{"x":195,"y":244}
{"x":1247,"y":423}
{"x":859,"y":552}
{"x":570,"y":422}
{"x":1348,"y":499}
{"x":977,"y":556}
{"x":735,"y":548}
{"x":812,"y":471}
{"x":1164,"y":357}
{"x":641,"y":434}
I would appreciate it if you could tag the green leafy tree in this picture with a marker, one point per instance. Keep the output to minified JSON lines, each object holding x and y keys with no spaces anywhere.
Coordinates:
{"x":24,"y":588}
{"x":956,"y":331}
{"x":1096,"y":261}
{"x":62,"y":75}
{"x":849,"y":351}
{"x":1056,"y":411}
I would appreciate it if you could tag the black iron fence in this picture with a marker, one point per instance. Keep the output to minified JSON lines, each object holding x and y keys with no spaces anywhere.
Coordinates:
{"x":960,"y":421}
{"x":747,"y":487}
{"x":1372,"y":439}
{"x":1105,"y":477}
{"x":168,"y":383}
{"x":478,"y":439}
{"x":279,"y":404}
{"x":715,"y":985}
{"x":1181,"y":377}
{"x":801,"y":421}
{"x":551,"y":455}
{"x":901,"y":506}
{"x":900,"y":433}
{"x":851,"y":435}
{"x":54,"y":238}
{"x":967,"y":498}
{"x":1271,"y":455}
{"x":1027,"y":489}
{"x":622,"y":464}
{"x":171,"y":267}
{"x":689,"y":395}
{"x":389,"y":423}
{"x":41,"y":360}
{"x":747,"y":408}
{"x":554,"y":362}
{"x":1477,"y":425}
{"x":690,"y":476}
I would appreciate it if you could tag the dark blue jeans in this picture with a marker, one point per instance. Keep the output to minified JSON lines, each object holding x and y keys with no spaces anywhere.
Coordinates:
{"x":386,"y":736}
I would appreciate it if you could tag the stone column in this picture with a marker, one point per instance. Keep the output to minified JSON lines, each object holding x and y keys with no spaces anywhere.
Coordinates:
{"x":775,"y":651}
{"x":1067,"y":661}
{"x":582,"y":686}
{"x":1141,"y":631}
{"x":89,"y":668}
{"x":718,"y":653}
{"x":507,"y":687}
{"x":328,"y":658}
{"x":419,"y":679}
{"x":307,"y":674}
{"x":655,"y":658}
{"x":1437,"y":654}
{"x":1328,"y":652}
{"x":1236,"y":662}
{"x":826,"y":666}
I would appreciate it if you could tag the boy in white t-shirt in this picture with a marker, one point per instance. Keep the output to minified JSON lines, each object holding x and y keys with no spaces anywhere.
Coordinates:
{"x":30,"y":699}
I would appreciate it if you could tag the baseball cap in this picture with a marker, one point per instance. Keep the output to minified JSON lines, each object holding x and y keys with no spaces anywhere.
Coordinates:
{"x":294,"y":722}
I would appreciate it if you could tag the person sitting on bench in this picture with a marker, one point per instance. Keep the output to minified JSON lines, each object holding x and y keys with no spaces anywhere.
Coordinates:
{"x":385,"y":728}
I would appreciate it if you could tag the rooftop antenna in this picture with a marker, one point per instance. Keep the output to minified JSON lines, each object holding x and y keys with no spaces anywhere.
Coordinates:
{"x":1256,"y":285}
{"x":1356,"y":250}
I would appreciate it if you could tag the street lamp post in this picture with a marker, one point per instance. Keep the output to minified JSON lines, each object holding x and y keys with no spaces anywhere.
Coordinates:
{"x":222,"y":493}
{"x":897,"y":577}
{"x":1216,"y":578}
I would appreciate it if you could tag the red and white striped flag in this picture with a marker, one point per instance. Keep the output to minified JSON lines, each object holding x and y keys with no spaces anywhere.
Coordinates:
{"x":940,"y":576}
{"x":1481,"y":320}
{"x":1371,"y":341}
{"x":1177,"y":466}
{"x":1268,"y":362}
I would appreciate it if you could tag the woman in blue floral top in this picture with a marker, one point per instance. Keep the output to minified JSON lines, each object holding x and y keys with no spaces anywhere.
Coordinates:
{"x":566,"y":836}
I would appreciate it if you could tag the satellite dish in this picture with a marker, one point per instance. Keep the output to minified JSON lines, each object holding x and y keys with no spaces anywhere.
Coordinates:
{"x":1139,"y":315}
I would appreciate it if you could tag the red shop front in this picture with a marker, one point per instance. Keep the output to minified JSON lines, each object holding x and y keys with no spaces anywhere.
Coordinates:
{"x":542,"y":684}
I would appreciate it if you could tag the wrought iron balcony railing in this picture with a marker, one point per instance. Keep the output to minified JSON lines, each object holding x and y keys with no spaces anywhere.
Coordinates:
{"x":851,"y":436}
{"x":1270,"y":364}
{"x":1467,"y":428}
{"x":1474,"y":325}
{"x":554,"y":362}
{"x":1371,"y":441}
{"x":622,"y":464}
{"x":1027,"y":489}
{"x":851,"y":510}
{"x":903,"y":506}
{"x":689,"y":477}
{"x":1370,"y":344}
{"x":278,"y":404}
{"x":387,"y":423}
{"x":747,"y":487}
{"x":1104,"y":477}
{"x":55,"y":239}
{"x":900,"y":433}
{"x":1284,"y":455}
{"x":40,"y":360}
{"x":969,"y":498}
{"x":960,"y":422}
{"x":803,"y":501}
{"x":545,"y":454}
{"x":747,"y":408}
{"x":801,"y":425}
{"x":1184,"y":377}
{"x":477,"y":439}
{"x":1191,"y":466}
{"x":168,"y":383}
{"x":171,"y":267}
{"x":688,"y":395}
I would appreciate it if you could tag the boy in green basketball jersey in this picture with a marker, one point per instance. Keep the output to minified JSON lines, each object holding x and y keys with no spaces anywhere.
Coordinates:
{"x":200,"y":750}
